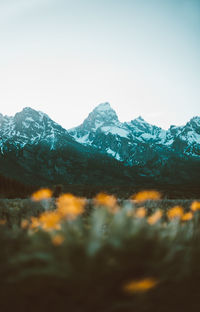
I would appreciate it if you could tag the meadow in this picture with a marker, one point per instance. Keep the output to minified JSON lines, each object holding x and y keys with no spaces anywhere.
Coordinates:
{"x":103,"y":254}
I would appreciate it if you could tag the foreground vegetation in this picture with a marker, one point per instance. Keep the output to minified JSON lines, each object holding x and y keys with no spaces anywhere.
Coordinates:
{"x":99,"y":255}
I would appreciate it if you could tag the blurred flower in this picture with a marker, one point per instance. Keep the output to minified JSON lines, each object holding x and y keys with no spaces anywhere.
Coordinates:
{"x":44,"y":193}
{"x":140,"y":213}
{"x":175,"y":212}
{"x":50,"y":220}
{"x":109,"y":201}
{"x":35,"y":223}
{"x":146,"y":195}
{"x":57,"y":239}
{"x":155,"y":217}
{"x":70,"y":206}
{"x":140,"y":286}
{"x":195,"y":206}
{"x":24,"y":224}
{"x":187,"y":216}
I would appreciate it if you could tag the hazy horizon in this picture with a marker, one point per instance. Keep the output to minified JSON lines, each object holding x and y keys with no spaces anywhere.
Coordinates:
{"x":64,"y":58}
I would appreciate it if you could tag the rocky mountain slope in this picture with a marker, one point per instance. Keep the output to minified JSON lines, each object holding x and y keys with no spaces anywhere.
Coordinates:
{"x":136,"y":142}
{"x":37,"y":151}
{"x":170,"y":157}
{"x":30,"y":127}
{"x":101,"y":152}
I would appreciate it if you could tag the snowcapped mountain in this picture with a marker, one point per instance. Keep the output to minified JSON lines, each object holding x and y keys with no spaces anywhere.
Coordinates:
{"x":136,"y":142}
{"x":30,"y":127}
{"x":101,"y":152}
{"x":186,"y":138}
{"x":99,"y":129}
{"x":37,"y":151}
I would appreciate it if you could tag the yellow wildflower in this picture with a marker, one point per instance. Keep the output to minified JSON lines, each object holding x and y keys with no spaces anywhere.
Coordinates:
{"x":155,"y":217}
{"x":24,"y":224}
{"x":44,"y":193}
{"x":140,"y":213}
{"x":57,"y":239}
{"x":175,"y":212}
{"x":187,"y":216}
{"x":195,"y":206}
{"x":35,"y":223}
{"x":107,"y":200}
{"x":140,"y":286}
{"x":70,"y":206}
{"x":146,"y":195}
{"x":50,"y":220}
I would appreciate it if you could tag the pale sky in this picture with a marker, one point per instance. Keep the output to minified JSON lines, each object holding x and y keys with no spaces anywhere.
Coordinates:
{"x":64,"y":57}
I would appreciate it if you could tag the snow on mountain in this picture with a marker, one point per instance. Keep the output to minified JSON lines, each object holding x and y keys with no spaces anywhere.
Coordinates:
{"x":135,"y":141}
{"x":29,"y":127}
{"x":103,"y":114}
{"x":115,"y":130}
{"x":37,"y":150}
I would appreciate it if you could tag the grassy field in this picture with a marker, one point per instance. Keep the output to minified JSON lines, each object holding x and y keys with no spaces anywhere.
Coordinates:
{"x":102,"y":254}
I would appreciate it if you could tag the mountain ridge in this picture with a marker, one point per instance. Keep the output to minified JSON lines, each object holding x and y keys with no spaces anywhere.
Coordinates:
{"x":37,"y":151}
{"x":101,"y":151}
{"x":110,"y":135}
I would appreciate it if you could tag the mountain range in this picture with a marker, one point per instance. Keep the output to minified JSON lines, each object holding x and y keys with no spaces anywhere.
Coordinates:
{"x":137,"y":141}
{"x":101,"y":153}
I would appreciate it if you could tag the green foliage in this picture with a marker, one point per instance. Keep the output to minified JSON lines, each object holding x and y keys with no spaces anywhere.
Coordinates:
{"x":101,"y":253}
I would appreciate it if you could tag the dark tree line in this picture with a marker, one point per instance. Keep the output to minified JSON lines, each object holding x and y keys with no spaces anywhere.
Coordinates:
{"x":12,"y":189}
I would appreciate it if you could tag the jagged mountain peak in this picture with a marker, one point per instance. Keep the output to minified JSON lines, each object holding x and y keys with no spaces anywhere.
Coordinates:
{"x":194,"y":122}
{"x":139,"y":124}
{"x":135,"y":141}
{"x":195,"y":118}
{"x":103,"y":107}
{"x":32,"y":135}
{"x":103,"y":114}
{"x":30,"y":126}
{"x":31,"y":114}
{"x":139,"y":119}
{"x":104,"y":110}
{"x":28,"y":109}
